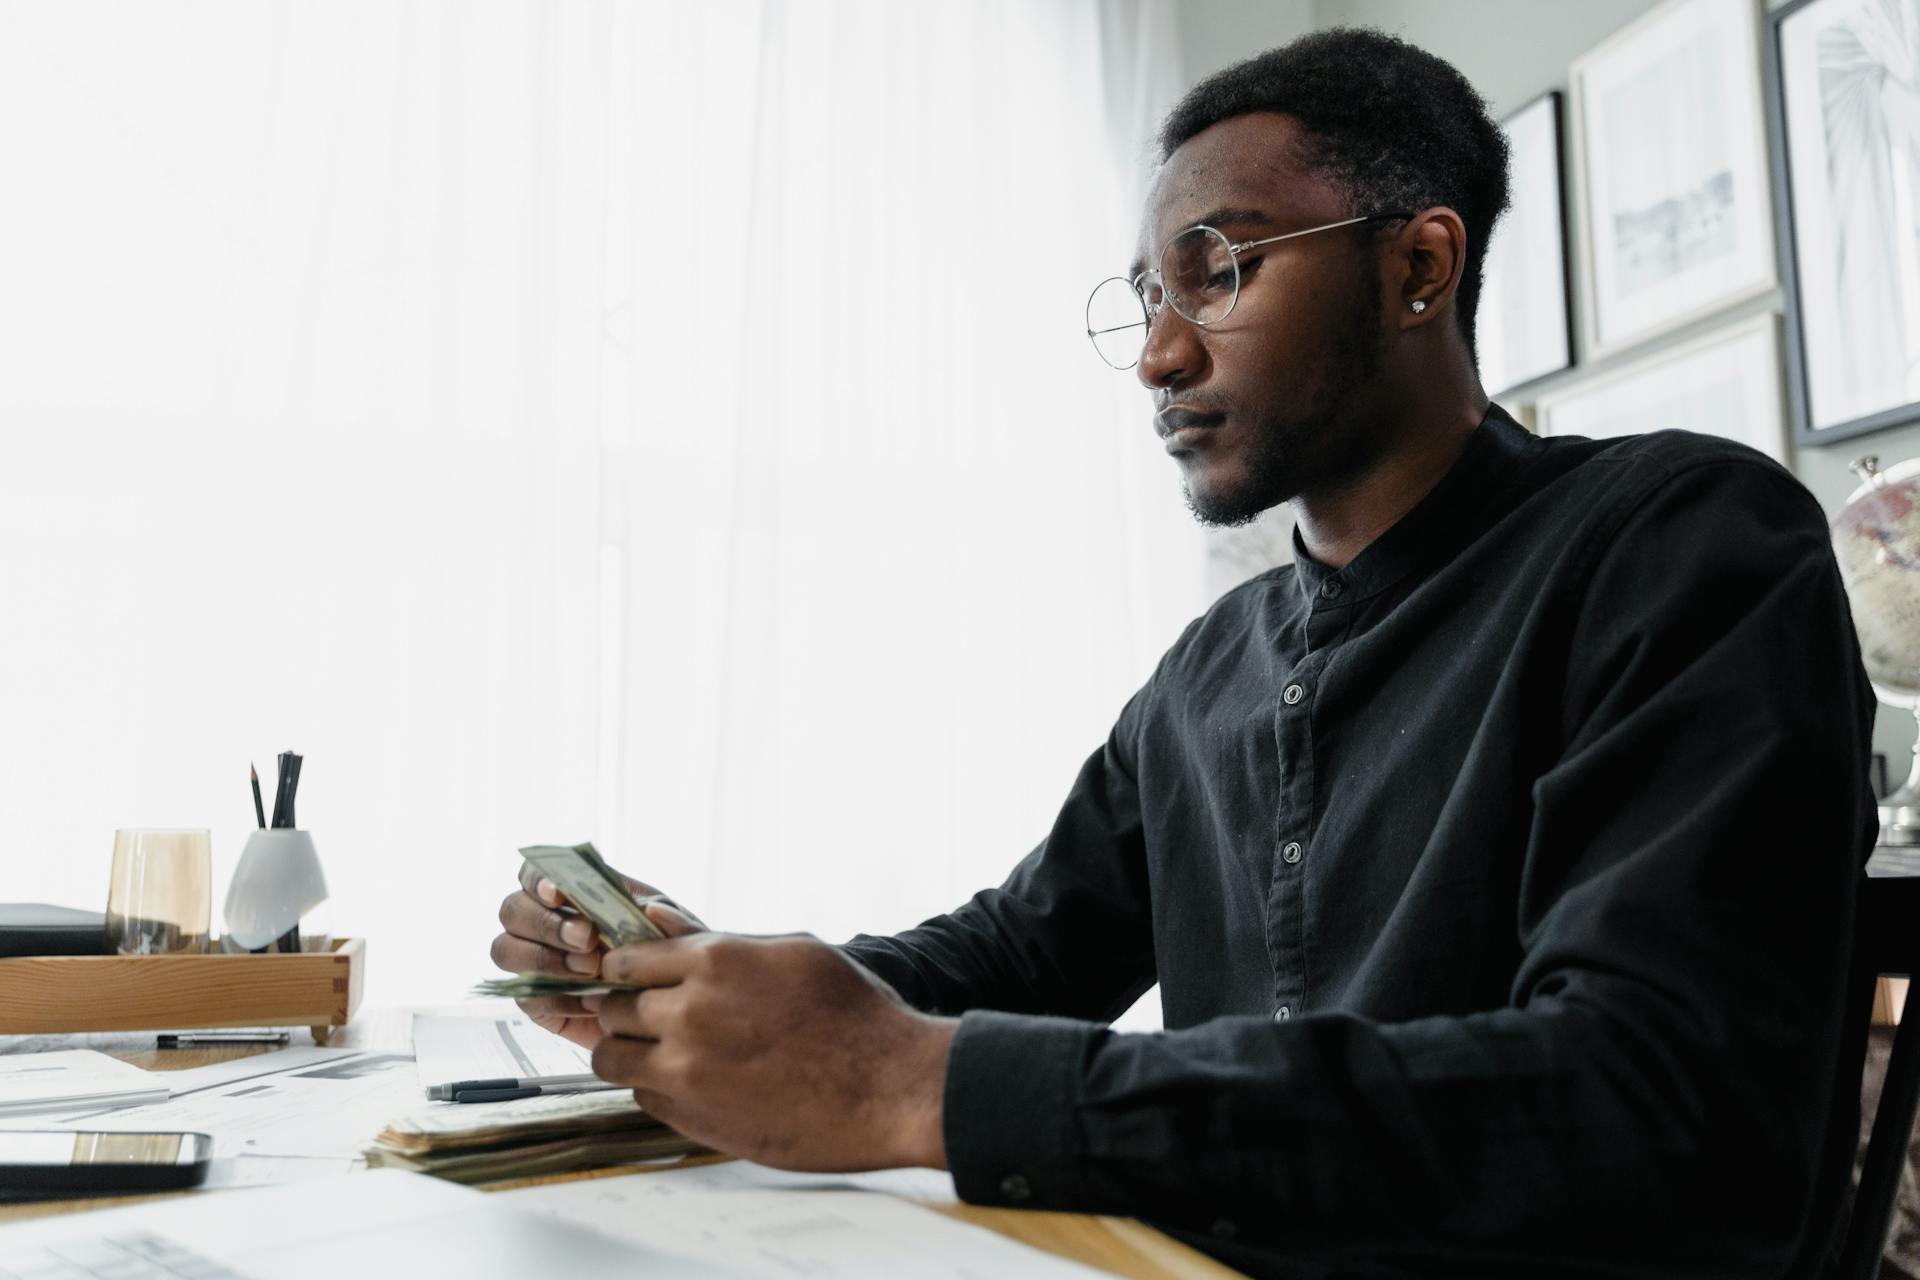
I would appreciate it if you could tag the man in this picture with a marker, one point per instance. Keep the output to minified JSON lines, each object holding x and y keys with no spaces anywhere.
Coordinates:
{"x":1496,"y":859}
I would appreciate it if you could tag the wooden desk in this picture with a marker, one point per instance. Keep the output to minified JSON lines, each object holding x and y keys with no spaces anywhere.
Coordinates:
{"x":1119,"y":1245}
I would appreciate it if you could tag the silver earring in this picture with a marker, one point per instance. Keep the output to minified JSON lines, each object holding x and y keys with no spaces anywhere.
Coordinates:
{"x":1418,"y":306}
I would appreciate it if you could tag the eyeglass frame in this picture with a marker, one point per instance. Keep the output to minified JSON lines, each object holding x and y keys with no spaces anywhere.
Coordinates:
{"x":1151,"y":311}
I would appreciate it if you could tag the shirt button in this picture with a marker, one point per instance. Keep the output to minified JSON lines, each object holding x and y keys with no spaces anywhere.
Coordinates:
{"x":1292,"y":852}
{"x":1279,"y":1015}
{"x":1292,"y":694}
{"x":1331,"y":588}
{"x":1016,"y":1188}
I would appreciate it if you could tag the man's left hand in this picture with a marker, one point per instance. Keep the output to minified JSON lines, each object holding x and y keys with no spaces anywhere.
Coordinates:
{"x":781,"y":1050}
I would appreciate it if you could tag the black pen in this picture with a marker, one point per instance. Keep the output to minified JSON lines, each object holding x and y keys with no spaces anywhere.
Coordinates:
{"x":495,"y":1095}
{"x":289,"y":782}
{"x":534,"y":1084}
{"x":293,"y":785}
{"x":171,"y":1041}
{"x":530,"y":1091}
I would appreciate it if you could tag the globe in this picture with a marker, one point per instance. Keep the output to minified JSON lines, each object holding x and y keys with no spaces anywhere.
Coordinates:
{"x":1876,"y":538}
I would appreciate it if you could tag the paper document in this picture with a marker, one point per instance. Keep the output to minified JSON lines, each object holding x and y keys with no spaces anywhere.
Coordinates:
{"x":928,"y":1186}
{"x":252,"y":1067}
{"x":488,"y":1123}
{"x":332,"y":1107}
{"x":267,"y":1171}
{"x":66,"y":1079}
{"x":447,"y":1050}
{"x":361,"y":1224}
{"x":821,"y":1234}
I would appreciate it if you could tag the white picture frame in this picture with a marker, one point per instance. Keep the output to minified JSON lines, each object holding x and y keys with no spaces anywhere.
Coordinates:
{"x":1847,"y":147}
{"x":1524,"y":325}
{"x":1676,"y":217}
{"x":1725,"y":383}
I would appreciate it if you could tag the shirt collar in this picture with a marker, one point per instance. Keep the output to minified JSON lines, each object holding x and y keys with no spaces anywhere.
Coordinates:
{"x":1437,"y":526}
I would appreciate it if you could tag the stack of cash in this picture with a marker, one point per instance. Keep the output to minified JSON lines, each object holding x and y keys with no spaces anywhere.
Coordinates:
{"x":525,"y":986}
{"x":596,"y":890}
{"x":556,"y":1133}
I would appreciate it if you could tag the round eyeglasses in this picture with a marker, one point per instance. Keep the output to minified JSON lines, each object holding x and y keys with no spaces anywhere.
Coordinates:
{"x":1199,"y":275}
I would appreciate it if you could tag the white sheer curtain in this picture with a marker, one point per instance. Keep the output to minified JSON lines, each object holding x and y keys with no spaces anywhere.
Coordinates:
{"x":666,"y":425}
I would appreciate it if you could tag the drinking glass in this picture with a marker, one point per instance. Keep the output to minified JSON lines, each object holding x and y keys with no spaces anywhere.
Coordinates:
{"x":159,"y":898}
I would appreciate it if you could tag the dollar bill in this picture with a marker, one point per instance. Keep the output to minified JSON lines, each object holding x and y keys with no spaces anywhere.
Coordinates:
{"x":528,"y":986}
{"x":550,"y":1134}
{"x":595,"y":890}
{"x":525,"y":1160}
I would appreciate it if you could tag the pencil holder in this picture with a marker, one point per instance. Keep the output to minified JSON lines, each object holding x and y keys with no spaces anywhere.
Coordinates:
{"x":276,"y":899}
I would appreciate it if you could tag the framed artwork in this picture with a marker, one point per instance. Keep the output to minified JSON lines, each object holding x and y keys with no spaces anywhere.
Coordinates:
{"x":1844,"y":122}
{"x":1726,"y":383}
{"x":1524,"y":329}
{"x":1678,"y":217}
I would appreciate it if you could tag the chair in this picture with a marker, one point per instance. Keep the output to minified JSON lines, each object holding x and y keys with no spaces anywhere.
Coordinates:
{"x":1887,"y":941}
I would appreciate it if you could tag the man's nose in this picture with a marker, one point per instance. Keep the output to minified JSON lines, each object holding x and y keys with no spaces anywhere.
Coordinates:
{"x":1173,"y":354}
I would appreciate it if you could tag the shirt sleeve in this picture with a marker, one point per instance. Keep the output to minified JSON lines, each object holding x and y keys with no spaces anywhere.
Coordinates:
{"x":1069,"y":932}
{"x":1655,"y":1097}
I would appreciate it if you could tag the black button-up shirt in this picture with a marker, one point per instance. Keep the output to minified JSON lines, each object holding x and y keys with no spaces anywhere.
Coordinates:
{"x":1499,"y":887}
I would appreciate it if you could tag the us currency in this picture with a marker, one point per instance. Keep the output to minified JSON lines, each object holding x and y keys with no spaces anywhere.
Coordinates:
{"x":529,"y":986}
{"x":596,"y":890}
{"x":558,"y":1155}
{"x":517,"y":1139}
{"x":551,"y":1115}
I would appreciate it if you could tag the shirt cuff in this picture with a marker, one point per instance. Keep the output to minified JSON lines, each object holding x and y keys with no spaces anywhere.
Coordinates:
{"x":1010,"y":1117}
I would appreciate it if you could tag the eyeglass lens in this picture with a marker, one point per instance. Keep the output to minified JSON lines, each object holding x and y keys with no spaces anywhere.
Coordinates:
{"x":1197,"y":275}
{"x":1117,"y":322}
{"x":1200,"y":276}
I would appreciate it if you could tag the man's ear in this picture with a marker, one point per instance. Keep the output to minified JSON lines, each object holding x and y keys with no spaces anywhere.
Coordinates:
{"x":1431,"y":251}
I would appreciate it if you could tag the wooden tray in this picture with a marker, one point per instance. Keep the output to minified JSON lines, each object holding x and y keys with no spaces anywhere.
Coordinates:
{"x":319,"y":990}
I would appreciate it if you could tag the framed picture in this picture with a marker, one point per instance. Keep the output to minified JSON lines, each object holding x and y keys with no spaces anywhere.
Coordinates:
{"x":1524,"y":328}
{"x":1678,"y":219}
{"x":1844,"y":124}
{"x":1726,"y":383}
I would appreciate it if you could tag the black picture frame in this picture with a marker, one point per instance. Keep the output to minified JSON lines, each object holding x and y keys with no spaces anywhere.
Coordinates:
{"x":1557,"y":106}
{"x":1787,"y":231}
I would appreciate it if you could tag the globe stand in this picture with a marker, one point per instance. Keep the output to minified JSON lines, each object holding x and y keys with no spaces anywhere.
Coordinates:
{"x":1900,"y":811}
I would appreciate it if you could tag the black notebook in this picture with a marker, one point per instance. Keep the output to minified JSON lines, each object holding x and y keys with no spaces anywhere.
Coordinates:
{"x":35,"y":929}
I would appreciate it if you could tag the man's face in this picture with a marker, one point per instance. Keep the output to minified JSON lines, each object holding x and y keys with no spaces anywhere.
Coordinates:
{"x":1272,"y":401}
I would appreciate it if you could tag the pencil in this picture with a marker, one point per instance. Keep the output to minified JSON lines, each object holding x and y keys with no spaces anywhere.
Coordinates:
{"x":259,"y":810}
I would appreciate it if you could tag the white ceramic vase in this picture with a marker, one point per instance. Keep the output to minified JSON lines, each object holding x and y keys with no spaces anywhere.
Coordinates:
{"x":277,"y":885}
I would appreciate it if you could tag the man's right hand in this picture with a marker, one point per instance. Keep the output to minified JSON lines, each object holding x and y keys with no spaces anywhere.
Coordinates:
{"x":544,"y":934}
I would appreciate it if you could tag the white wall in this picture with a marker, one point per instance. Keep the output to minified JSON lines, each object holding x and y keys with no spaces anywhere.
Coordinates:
{"x":1512,"y":50}
{"x":1214,"y":33}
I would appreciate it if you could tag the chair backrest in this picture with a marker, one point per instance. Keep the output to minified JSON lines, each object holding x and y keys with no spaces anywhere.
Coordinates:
{"x":1887,"y":941}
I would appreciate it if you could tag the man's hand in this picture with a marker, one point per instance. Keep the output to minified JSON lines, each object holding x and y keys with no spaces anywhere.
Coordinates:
{"x":544,"y":934}
{"x":781,"y":1050}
